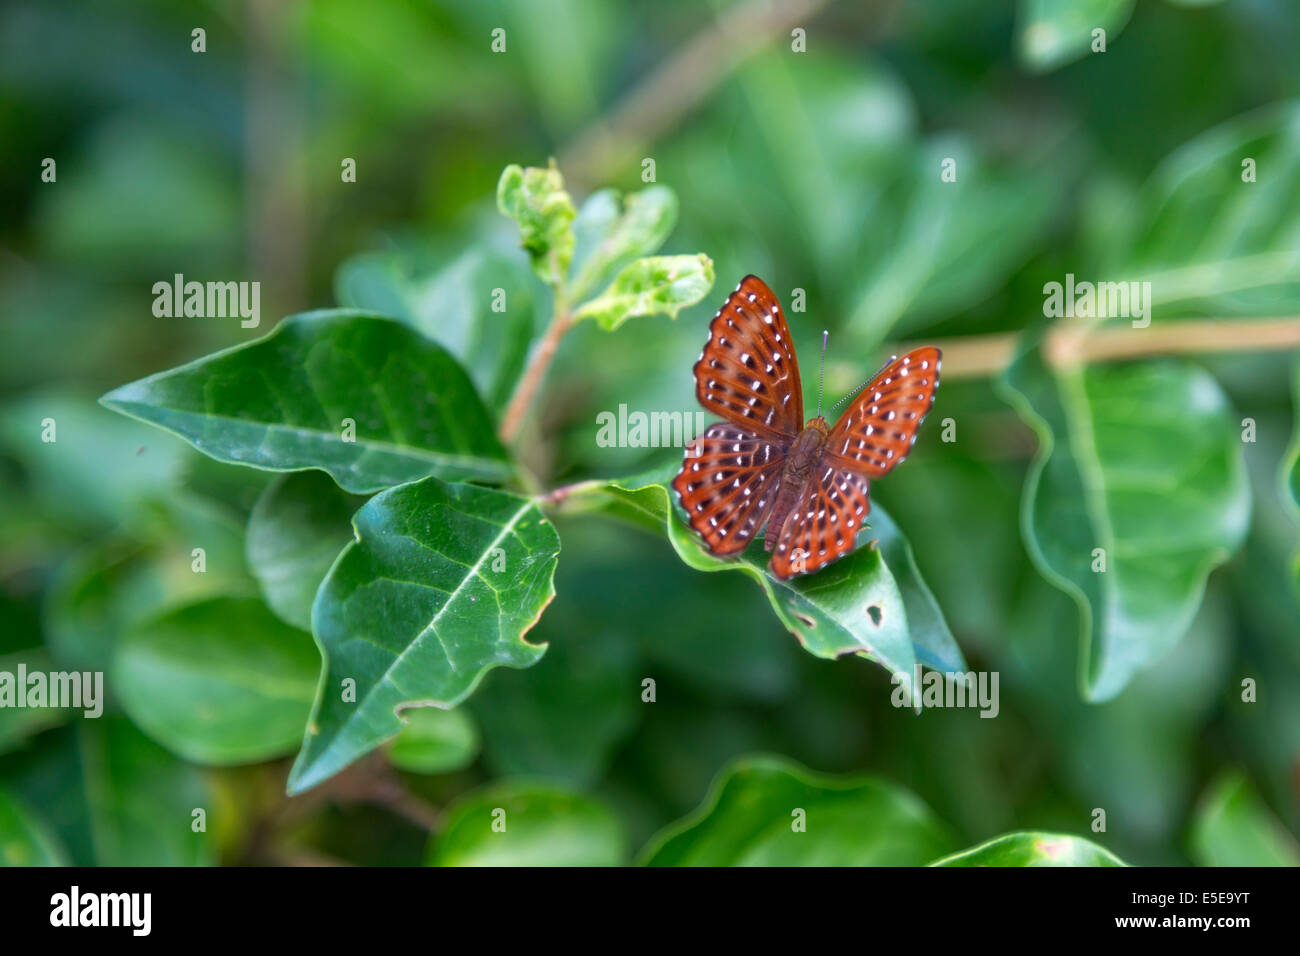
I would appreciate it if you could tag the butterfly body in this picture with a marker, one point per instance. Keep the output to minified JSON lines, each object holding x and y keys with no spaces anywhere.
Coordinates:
{"x":764,"y":466}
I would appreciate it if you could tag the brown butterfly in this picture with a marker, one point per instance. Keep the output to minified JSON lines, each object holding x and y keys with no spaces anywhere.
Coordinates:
{"x":763,"y":465}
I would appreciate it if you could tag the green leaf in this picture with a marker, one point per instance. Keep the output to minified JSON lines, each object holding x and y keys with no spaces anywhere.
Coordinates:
{"x":440,"y":586}
{"x":220,"y":682}
{"x":283,"y":403}
{"x":1033,"y":848}
{"x":768,"y":811}
{"x":297,"y":528}
{"x":1142,"y":461}
{"x":1054,"y":32}
{"x":100,"y":591}
{"x":528,"y":824}
{"x":1233,"y":827}
{"x":655,"y":284}
{"x":434,"y":741}
{"x":609,"y":237}
{"x":1204,"y":235}
{"x":455,"y":305}
{"x":855,"y":605}
{"x":1289,"y":471}
{"x":25,"y":840}
{"x":535,"y":198}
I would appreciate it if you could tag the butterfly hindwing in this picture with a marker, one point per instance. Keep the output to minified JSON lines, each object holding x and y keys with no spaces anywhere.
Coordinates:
{"x":728,"y":484}
{"x":747,"y":372}
{"x":877,"y":430}
{"x":822,"y":525}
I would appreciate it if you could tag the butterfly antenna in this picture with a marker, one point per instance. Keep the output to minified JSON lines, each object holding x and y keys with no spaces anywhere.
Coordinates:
{"x":864,"y":384}
{"x":821,"y":381}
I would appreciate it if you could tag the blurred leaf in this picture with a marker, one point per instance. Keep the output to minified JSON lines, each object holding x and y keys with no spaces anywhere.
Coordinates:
{"x":1208,"y":236}
{"x":610,"y":235}
{"x":560,"y":719}
{"x":119,"y":580}
{"x":455,"y":305}
{"x":1053,"y":32}
{"x":281,"y":403}
{"x":1144,"y":462}
{"x":220,"y":682}
{"x":1233,"y":827}
{"x":1289,"y":473}
{"x":1033,"y":848}
{"x":297,"y":528}
{"x":433,"y":741}
{"x":18,"y":724}
{"x":535,"y":198}
{"x":100,"y":467}
{"x":440,"y":586}
{"x":515,"y":823}
{"x":25,"y":840}
{"x":650,"y":286}
{"x":751,"y":818}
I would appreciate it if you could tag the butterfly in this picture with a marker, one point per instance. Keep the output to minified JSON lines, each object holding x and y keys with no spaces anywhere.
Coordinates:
{"x":763,"y":465}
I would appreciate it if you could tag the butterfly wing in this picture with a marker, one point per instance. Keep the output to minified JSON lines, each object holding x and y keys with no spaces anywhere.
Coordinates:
{"x":871,"y":438}
{"x":747,"y":373}
{"x":822,"y":525}
{"x":878,"y":429}
{"x":728,"y":485}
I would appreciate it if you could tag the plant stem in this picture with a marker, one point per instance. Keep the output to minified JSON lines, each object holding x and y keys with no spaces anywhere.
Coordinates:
{"x":541,"y":359}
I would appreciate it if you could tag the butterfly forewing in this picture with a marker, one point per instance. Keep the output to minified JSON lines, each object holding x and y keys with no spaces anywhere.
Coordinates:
{"x":878,"y":429}
{"x":728,"y":484}
{"x":823,"y":524}
{"x":747,"y":372}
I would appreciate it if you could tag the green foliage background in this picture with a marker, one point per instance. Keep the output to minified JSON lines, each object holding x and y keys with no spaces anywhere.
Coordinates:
{"x":816,"y":170}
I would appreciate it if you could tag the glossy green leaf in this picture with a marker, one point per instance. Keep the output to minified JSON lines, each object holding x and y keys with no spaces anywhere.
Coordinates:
{"x":223,"y":681}
{"x":535,"y":198}
{"x":1053,"y":32}
{"x":296,"y":530}
{"x":1033,"y":848}
{"x":479,"y":306}
{"x":1233,"y":827}
{"x":860,"y":604}
{"x":651,"y":286}
{"x":611,"y":233}
{"x":25,"y":840}
{"x":433,"y":740}
{"x":440,"y":586}
{"x":528,"y":824}
{"x":768,"y":811}
{"x":361,"y":397}
{"x":1143,"y":462}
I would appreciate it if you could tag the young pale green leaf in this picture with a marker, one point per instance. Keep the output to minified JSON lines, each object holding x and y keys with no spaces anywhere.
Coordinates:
{"x":1054,"y":32}
{"x":1137,"y":492}
{"x":1033,"y":848}
{"x":769,"y":811}
{"x":528,"y":824}
{"x":439,"y":587}
{"x":609,"y":237}
{"x":1233,"y":827}
{"x":434,"y":741}
{"x":860,"y":604}
{"x":535,"y":198}
{"x":297,"y":528}
{"x":364,"y":398}
{"x":650,"y":286}
{"x":220,"y":682}
{"x":25,"y":839}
